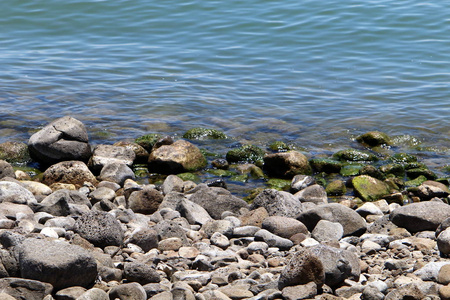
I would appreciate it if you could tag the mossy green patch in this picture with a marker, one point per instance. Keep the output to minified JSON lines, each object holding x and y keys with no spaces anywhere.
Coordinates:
{"x":413,"y":173}
{"x":351,"y":170}
{"x":278,"y":184}
{"x":280,"y":146}
{"x":221,"y":172}
{"x":239,"y":178}
{"x":148,"y":141}
{"x":200,"y":133}
{"x":246,"y":153}
{"x":403,"y":158}
{"x":354,"y":155}
{"x":395,"y":169}
{"x":189,"y":177}
{"x":336,"y":188}
{"x":325,"y":165}
{"x":369,"y":188}
{"x":14,"y":152}
{"x":416,"y":182}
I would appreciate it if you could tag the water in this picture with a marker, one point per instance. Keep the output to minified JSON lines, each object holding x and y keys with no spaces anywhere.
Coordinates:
{"x":314,"y":73}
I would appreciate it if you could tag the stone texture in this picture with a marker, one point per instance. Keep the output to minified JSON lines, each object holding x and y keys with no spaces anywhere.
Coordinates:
{"x":299,"y":182}
{"x":15,"y":193}
{"x":71,"y":172}
{"x":302,"y":291}
{"x":18,"y":288}
{"x":284,"y":226}
{"x":145,"y":201}
{"x":94,"y":294}
{"x":286,"y":164}
{"x":116,"y":172}
{"x":64,"y":139}
{"x":278,"y":203}
{"x":327,"y":231}
{"x":107,"y":154}
{"x":128,"y":291}
{"x":369,"y":188}
{"x":145,"y":238}
{"x":314,"y":193}
{"x":6,"y":170}
{"x":140,"y":273}
{"x":100,"y":228}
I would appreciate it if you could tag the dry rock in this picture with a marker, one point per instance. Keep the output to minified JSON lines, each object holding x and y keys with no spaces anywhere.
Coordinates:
{"x":70,"y":172}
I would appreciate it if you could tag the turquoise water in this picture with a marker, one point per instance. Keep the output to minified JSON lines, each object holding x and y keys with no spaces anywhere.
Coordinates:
{"x":314,"y":73}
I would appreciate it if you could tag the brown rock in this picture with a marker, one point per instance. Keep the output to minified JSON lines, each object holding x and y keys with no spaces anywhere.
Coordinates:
{"x":145,"y":201}
{"x":254,"y":217}
{"x":287,"y":164}
{"x":69,"y":172}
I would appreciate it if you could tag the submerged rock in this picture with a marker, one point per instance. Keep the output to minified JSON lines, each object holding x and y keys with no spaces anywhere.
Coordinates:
{"x":354,"y":155}
{"x":374,"y":138}
{"x":200,"y":133}
{"x":246,"y":153}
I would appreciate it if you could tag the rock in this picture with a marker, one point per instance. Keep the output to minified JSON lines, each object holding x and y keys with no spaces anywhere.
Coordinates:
{"x":369,"y":208}
{"x":338,"y":264}
{"x":107,"y":154}
{"x":302,"y":291}
{"x":299,"y":182}
{"x":200,"y":133}
{"x":94,"y":294}
{"x":15,"y":193}
{"x":140,"y":273}
{"x":325,"y":165}
{"x":430,"y":271}
{"x":36,"y":188}
{"x":219,"y":240}
{"x":408,"y":291}
{"x":145,"y":201}
{"x":194,"y":213}
{"x":421,"y":216}
{"x":14,"y":152}
{"x":100,"y":228}
{"x":336,"y":188}
{"x":246,"y":153}
{"x":430,"y":189}
{"x":128,"y":291}
{"x":53,"y":264}
{"x":374,"y":138}
{"x":116,"y":172}
{"x":18,"y":288}
{"x":443,"y":242}
{"x":172,"y":183}
{"x":283,"y":226}
{"x":222,"y":226}
{"x":304,"y":267}
{"x":372,"y":293}
{"x":354,"y":155}
{"x":286,"y":164}
{"x":6,"y":170}
{"x":273,"y":240}
{"x":168,"y":229}
{"x":327,"y":231}
{"x":170,"y":244}
{"x":350,"y":220}
{"x":64,"y":139}
{"x":314,"y":193}
{"x":148,"y":141}
{"x":236,"y":292}
{"x":140,"y":153}
{"x":145,"y":238}
{"x":69,"y":196}
{"x":278,"y":203}
{"x":71,"y":172}
{"x":444,"y":275}
{"x":216,"y":200}
{"x":178,"y":157}
{"x":70,"y":293}
{"x":254,"y":217}
{"x":369,"y":188}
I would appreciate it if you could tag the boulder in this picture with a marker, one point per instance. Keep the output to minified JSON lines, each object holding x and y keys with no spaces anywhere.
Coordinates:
{"x":18,"y":288}
{"x":246,"y":153}
{"x":63,"y":203}
{"x":314,"y":193}
{"x":304,"y":267}
{"x":336,"y":188}
{"x":421,"y":216}
{"x":193,"y":212}
{"x":58,"y":263}
{"x":100,"y":228}
{"x":181,"y":156}
{"x":6,"y":170}
{"x":145,"y":201}
{"x":350,"y":220}
{"x":61,"y":140}
{"x":216,"y":200}
{"x":14,"y":152}
{"x":284,"y":226}
{"x":116,"y":172}
{"x":71,"y":172}
{"x":172,"y":183}
{"x":369,"y":188}
{"x":327,"y":231}
{"x":107,"y":154}
{"x":15,"y":193}
{"x":374,"y":138}
{"x":286,"y":164}
{"x":278,"y":203}
{"x":430,"y":189}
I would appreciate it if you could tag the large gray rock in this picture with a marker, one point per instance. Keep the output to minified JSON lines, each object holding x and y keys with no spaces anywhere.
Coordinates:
{"x":15,"y":193}
{"x":172,"y":183}
{"x":278,"y":203}
{"x":284,"y":226}
{"x":58,"y":263}
{"x":338,"y":264}
{"x":145,"y":201}
{"x":63,"y":139}
{"x":350,"y":220}
{"x":72,"y":172}
{"x":327,"y":231}
{"x":181,"y":156}
{"x":107,"y":154}
{"x":193,"y":212}
{"x":116,"y":172}
{"x":63,"y":203}
{"x":28,"y":289}
{"x":302,"y":268}
{"x":314,"y":193}
{"x":168,"y":229}
{"x":216,"y":200}
{"x":69,"y":196}
{"x":100,"y":228}
{"x":94,"y":294}
{"x":421,"y":216}
{"x":286,"y":164}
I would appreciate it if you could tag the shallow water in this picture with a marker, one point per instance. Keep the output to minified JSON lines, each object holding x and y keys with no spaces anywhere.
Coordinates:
{"x":313,"y":73}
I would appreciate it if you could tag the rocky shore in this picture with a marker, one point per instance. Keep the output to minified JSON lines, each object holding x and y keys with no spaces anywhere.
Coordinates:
{"x":354,"y":225}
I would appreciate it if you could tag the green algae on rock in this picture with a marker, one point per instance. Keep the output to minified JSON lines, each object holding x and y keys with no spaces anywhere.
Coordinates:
{"x":395,"y":169}
{"x":246,"y":153}
{"x":278,"y":184}
{"x":351,"y":169}
{"x":336,"y":188}
{"x":14,"y":152}
{"x":200,"y":133}
{"x":280,"y":146}
{"x":369,"y":188}
{"x":374,"y":138}
{"x":403,"y":158}
{"x":148,"y":141}
{"x":326,"y":165}
{"x":354,"y":155}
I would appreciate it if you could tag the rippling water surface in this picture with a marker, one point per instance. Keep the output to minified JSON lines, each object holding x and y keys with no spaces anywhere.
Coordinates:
{"x":315,"y":73}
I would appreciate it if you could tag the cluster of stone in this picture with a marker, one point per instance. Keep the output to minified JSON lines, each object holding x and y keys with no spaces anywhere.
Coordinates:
{"x":76,"y":235}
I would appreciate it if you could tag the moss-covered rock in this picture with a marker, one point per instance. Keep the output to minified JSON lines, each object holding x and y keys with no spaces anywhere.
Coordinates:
{"x":369,"y":188}
{"x":403,"y":158}
{"x":351,"y":170}
{"x":148,"y":141}
{"x":374,"y":138}
{"x":14,"y":152}
{"x":246,"y":153}
{"x":336,"y":188}
{"x":239,"y":178}
{"x":416,"y":182}
{"x":413,"y":173}
{"x":187,"y":176}
{"x":280,"y":146}
{"x":372,"y":171}
{"x":252,"y":195}
{"x":395,"y":169}
{"x":286,"y":164}
{"x":221,"y":172}
{"x":141,"y":153}
{"x":278,"y":184}
{"x":354,"y":155}
{"x":200,"y":133}
{"x":325,"y":165}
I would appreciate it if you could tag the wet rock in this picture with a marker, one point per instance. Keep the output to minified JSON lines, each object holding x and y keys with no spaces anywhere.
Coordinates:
{"x":140,"y":273}
{"x":246,"y":153}
{"x":6,"y":170}
{"x":106,"y":154}
{"x":278,"y":203}
{"x":116,"y":172}
{"x":421,"y":216}
{"x":18,"y":288}
{"x":178,"y":157}
{"x":354,"y":155}
{"x":15,"y":193}
{"x":314,"y":193}
{"x":374,"y":138}
{"x":304,"y":267}
{"x":200,"y":133}
{"x":369,"y":188}
{"x":217,"y":200}
{"x":336,"y":188}
{"x":148,"y":141}
{"x":326,"y":165}
{"x":327,"y":231}
{"x":62,"y":140}
{"x":53,"y":264}
{"x":299,"y":182}
{"x":71,"y":172}
{"x":286,"y":164}
{"x":128,"y":291}
{"x":350,"y":220}
{"x":100,"y":228}
{"x":14,"y":152}
{"x":283,"y":226}
{"x":145,"y":201}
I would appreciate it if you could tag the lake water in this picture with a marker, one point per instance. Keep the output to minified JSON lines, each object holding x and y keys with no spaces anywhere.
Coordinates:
{"x":312,"y":73}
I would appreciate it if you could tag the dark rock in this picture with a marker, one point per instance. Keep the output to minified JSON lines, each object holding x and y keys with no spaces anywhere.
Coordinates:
{"x":354,"y":155}
{"x":336,"y":188}
{"x":140,"y":273}
{"x":278,"y":203}
{"x":199,"y":133}
{"x":145,"y":201}
{"x":148,"y":141}
{"x":325,"y":165}
{"x":51,"y":261}
{"x":220,"y":163}
{"x":374,"y":138}
{"x":61,"y":140}
{"x":6,"y":170}
{"x":246,"y":153}
{"x":116,"y":172}
{"x":27,"y":289}
{"x":286,"y":164}
{"x":100,"y":228}
{"x":73,"y":172}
